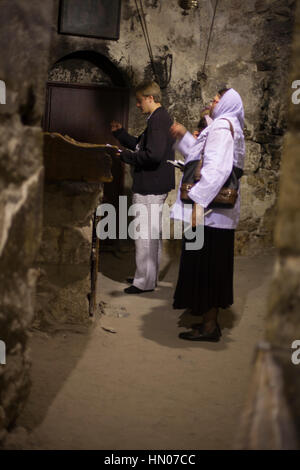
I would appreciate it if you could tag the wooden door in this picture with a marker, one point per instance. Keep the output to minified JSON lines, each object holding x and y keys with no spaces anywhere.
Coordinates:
{"x":84,"y":112}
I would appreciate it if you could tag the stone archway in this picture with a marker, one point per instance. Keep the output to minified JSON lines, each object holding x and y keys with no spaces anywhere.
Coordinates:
{"x":105,"y":68}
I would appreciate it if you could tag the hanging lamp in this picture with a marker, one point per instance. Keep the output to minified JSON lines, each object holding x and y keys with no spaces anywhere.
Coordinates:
{"x":188,"y":4}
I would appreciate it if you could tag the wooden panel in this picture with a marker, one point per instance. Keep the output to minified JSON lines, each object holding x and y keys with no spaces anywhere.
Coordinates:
{"x":84,"y":112}
{"x":92,"y":18}
{"x":66,"y":159}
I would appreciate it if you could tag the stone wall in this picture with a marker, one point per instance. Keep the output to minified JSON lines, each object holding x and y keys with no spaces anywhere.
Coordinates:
{"x":272,"y":416}
{"x":23,"y":50}
{"x":78,"y":71}
{"x":64,"y":259}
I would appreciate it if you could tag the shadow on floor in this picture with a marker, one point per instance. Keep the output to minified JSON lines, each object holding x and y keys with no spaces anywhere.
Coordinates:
{"x":162,"y":323}
{"x":117,"y":260}
{"x":54,"y":355}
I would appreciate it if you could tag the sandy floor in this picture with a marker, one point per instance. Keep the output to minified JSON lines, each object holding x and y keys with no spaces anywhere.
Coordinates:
{"x":135,"y":384}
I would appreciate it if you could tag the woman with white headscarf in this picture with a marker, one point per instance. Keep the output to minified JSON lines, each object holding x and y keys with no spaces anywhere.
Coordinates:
{"x":205,"y":281}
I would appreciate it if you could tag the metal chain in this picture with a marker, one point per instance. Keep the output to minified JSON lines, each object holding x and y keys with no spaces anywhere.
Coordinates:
{"x":141,"y":16}
{"x":209,"y":39}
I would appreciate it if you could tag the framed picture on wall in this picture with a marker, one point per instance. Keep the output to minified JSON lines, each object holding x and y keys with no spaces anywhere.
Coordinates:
{"x":92,"y":18}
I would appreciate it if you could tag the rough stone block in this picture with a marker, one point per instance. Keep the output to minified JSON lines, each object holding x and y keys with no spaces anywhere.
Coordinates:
{"x":284,"y":303}
{"x":288,"y":222}
{"x":70,"y":203}
{"x":253,"y":156}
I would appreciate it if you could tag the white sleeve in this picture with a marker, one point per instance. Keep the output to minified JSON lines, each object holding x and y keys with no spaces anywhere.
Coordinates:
{"x":185,"y":144}
{"x":217,"y":163}
{"x":190,"y":147}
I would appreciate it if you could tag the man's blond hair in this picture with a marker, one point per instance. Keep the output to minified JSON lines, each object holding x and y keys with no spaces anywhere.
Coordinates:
{"x":149,"y":88}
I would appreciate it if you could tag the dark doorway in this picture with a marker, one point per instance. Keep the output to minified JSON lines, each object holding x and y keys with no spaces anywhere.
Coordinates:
{"x":84,"y":112}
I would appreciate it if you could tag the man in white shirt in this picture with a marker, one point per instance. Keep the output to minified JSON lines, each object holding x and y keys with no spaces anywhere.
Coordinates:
{"x":153,"y":178}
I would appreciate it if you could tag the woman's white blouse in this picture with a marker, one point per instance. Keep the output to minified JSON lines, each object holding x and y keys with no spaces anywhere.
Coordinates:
{"x":217,"y":166}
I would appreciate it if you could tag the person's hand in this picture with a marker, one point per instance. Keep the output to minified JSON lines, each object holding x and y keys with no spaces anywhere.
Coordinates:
{"x":115,"y":125}
{"x":196,"y":134}
{"x":177,"y":130}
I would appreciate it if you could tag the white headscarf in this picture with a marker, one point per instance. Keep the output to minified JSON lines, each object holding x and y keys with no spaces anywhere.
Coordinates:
{"x":231,"y":107}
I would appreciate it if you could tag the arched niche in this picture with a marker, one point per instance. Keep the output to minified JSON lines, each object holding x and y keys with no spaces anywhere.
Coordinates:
{"x":87,"y":65}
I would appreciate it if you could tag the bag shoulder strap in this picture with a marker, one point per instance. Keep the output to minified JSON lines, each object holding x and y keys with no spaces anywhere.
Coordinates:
{"x":230,"y":125}
{"x":197,"y":173}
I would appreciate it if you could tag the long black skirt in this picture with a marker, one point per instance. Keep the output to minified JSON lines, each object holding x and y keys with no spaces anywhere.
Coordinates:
{"x":205,"y":277}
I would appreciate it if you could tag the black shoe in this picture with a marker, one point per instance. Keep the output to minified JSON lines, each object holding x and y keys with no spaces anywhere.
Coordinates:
{"x":198,"y":335}
{"x":135,"y":290}
{"x":131,"y":279}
